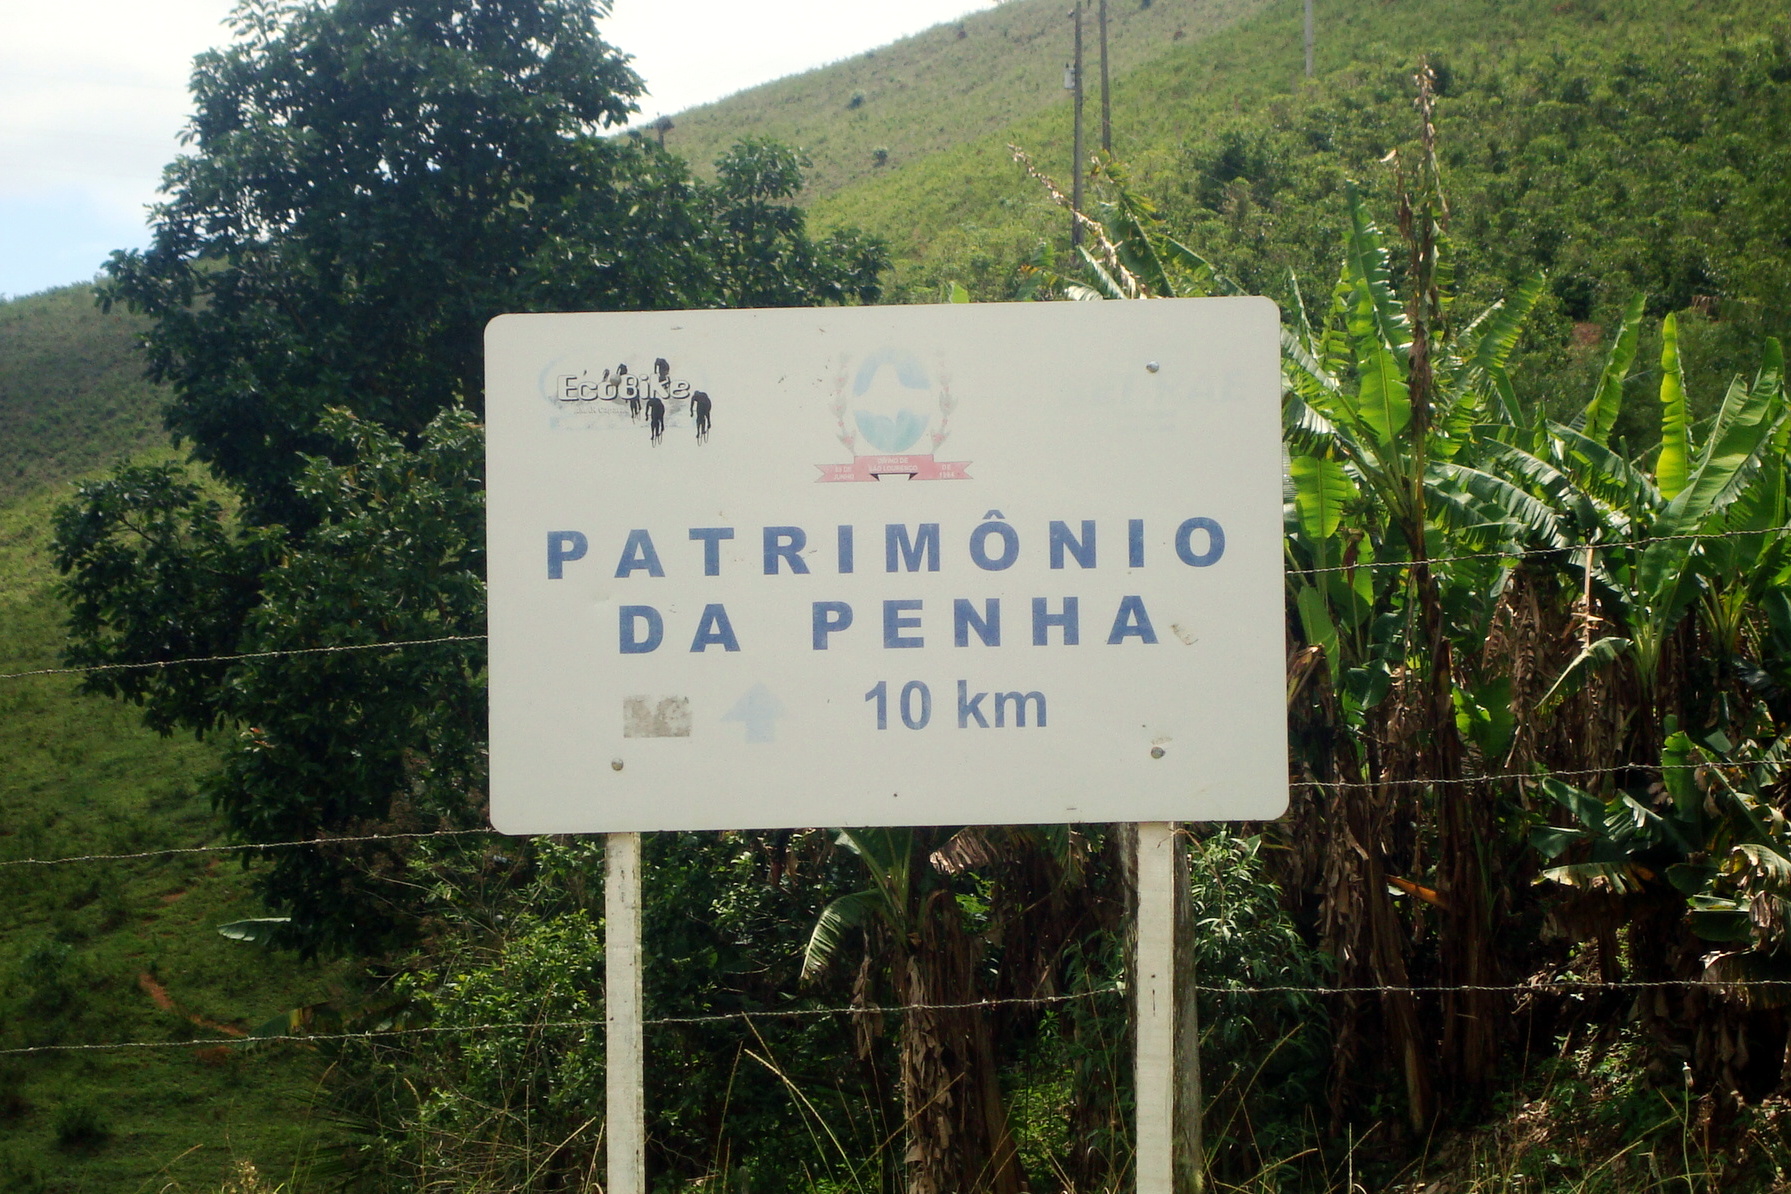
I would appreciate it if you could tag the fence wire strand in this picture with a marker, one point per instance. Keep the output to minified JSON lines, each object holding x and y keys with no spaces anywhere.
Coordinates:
{"x":291,"y":652}
{"x":281,"y":654}
{"x":1561,"y":987}
{"x":244,"y":847}
{"x":358,"y":839}
{"x":1526,"y":552}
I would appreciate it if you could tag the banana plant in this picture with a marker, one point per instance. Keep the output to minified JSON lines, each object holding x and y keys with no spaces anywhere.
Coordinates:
{"x":1703,"y":532}
{"x":1366,"y":494}
{"x":956,"y":1140}
{"x":1704,"y":836}
{"x":887,"y":904}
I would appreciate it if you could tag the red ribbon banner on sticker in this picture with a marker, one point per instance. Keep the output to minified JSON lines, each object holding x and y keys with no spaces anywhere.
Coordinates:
{"x":916,"y":467}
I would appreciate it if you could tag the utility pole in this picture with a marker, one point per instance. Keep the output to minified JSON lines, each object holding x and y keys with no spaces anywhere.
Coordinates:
{"x":1076,"y":173}
{"x":1106,"y":104}
{"x":1309,"y":39}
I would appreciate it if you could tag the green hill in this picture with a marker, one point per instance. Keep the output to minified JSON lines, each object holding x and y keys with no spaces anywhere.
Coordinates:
{"x":72,"y":393}
{"x":106,"y":951}
{"x":1622,"y":146}
{"x":954,"y":83}
{"x":1536,"y":90}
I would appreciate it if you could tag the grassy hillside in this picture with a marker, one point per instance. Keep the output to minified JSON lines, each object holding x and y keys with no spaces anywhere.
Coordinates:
{"x":1623,"y":146}
{"x":72,"y":392}
{"x":1188,"y":120}
{"x":953,"y":83}
{"x":109,"y":951}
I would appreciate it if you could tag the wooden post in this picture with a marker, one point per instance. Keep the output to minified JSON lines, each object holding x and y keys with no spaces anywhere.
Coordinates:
{"x":1190,"y":1104}
{"x":1310,"y":38}
{"x":1106,"y":102}
{"x":1076,"y":174}
{"x":624,"y":1046}
{"x":1167,"y":1157}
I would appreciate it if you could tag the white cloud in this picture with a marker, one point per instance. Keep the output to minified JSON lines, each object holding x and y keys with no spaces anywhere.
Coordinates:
{"x":93,"y":94}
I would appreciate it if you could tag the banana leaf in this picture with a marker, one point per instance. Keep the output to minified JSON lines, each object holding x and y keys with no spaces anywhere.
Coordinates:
{"x":1365,"y":264}
{"x":1597,"y":654}
{"x":1600,"y":414}
{"x":1672,"y":469}
{"x":1321,"y":490}
{"x":1520,"y":508}
{"x":1383,"y":402}
{"x":853,"y":911}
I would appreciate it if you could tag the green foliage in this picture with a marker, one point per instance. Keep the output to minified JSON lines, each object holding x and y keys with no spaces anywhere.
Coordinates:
{"x":1713,"y":840}
{"x":762,"y":256}
{"x":369,"y":185}
{"x":321,"y":741}
{"x":80,"y":1127}
{"x":364,"y":738}
{"x":1623,"y":147}
{"x":516,"y":1108}
{"x":515,"y":925}
{"x":157,"y":573}
{"x":1261,"y":1055}
{"x":50,"y":982}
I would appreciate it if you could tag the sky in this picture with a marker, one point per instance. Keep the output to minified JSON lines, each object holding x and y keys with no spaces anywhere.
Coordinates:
{"x":93,"y":96}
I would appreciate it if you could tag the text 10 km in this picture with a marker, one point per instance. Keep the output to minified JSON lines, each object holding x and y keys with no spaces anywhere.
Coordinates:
{"x":914,"y":705}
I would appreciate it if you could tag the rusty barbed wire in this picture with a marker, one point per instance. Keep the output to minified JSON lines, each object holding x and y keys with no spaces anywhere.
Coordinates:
{"x":291,"y":652}
{"x":354,"y":839}
{"x":1553,"y":987}
{"x":279,"y":654}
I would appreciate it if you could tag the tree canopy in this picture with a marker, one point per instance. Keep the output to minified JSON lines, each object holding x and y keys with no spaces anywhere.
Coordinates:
{"x":368,"y":183}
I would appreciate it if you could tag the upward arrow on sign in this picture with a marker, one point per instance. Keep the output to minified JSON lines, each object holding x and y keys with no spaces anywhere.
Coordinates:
{"x":759,"y":711}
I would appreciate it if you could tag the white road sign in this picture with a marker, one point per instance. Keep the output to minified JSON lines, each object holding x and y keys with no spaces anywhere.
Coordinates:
{"x":998,"y":563}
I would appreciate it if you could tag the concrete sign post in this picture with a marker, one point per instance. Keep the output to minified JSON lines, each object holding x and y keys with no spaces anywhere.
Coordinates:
{"x":962,"y":564}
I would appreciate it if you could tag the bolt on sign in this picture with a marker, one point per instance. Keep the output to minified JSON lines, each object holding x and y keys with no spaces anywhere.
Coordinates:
{"x":1000,"y":563}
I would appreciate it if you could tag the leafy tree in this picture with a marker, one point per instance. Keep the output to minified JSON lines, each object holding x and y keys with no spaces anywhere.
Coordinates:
{"x":763,"y":257}
{"x":368,"y":182}
{"x":371,"y":181}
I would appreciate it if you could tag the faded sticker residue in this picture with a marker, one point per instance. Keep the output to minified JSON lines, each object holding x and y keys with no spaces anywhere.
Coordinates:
{"x":647,"y":717}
